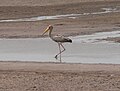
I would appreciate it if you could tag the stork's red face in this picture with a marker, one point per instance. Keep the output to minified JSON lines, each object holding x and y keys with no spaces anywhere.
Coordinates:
{"x":50,"y":27}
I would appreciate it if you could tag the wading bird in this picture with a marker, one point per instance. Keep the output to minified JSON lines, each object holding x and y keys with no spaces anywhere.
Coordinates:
{"x":57,"y":38}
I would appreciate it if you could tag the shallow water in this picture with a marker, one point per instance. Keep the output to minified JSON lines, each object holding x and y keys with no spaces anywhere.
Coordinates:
{"x":73,"y":16}
{"x":97,"y":37}
{"x":80,"y":51}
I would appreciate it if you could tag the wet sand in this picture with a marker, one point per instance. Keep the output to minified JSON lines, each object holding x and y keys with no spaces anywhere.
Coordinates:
{"x":116,"y":39}
{"x":30,"y":76}
{"x":67,"y":27}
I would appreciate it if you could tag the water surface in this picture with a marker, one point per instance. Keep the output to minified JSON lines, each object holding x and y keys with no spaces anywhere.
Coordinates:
{"x":84,"y":49}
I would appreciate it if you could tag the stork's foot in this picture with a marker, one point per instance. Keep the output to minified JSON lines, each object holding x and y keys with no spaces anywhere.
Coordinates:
{"x":56,"y":57}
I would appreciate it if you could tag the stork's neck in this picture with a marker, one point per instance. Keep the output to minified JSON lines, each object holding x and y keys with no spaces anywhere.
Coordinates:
{"x":50,"y":33}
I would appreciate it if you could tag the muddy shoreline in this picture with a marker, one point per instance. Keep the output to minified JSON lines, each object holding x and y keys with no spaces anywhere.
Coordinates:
{"x":28,"y":76}
{"x":68,"y":27}
{"x":13,"y":12}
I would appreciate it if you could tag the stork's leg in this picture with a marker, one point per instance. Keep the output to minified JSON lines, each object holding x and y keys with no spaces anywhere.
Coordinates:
{"x":60,"y":44}
{"x":62,"y":47}
{"x":59,"y":52}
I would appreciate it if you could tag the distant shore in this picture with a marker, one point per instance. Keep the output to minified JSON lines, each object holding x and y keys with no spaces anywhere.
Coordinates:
{"x":68,"y":27}
{"x":45,"y":2}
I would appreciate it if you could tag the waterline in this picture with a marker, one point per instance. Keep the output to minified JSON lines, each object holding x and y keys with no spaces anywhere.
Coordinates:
{"x":97,"y":37}
{"x":72,"y":16}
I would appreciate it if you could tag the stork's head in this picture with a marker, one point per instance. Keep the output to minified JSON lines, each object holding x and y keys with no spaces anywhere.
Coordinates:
{"x":50,"y":27}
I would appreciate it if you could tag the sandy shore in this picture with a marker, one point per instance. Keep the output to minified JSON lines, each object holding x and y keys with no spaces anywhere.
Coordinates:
{"x":28,"y":76}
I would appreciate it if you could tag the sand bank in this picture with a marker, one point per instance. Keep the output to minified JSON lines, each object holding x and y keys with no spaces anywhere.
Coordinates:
{"x":23,"y":76}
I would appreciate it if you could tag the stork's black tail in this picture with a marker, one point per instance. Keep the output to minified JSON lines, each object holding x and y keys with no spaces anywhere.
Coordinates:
{"x":70,"y":40}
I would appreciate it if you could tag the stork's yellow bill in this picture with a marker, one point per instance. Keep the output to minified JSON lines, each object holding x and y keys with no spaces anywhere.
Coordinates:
{"x":50,"y":27}
{"x":45,"y":31}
